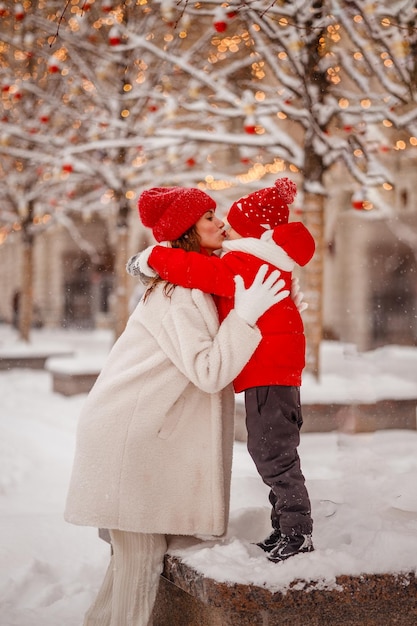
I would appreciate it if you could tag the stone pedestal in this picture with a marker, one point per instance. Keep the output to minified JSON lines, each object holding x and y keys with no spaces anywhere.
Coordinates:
{"x":26,"y":361}
{"x":73,"y":376}
{"x":186,"y":598}
{"x":348,"y":418}
{"x":359,"y":417}
{"x":72,"y":384}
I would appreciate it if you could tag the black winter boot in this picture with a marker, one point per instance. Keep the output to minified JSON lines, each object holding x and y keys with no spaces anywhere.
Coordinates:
{"x":290,"y":545}
{"x":270,"y":542}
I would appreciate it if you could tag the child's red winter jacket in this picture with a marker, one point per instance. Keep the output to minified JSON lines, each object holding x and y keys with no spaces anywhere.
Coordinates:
{"x":280,"y":357}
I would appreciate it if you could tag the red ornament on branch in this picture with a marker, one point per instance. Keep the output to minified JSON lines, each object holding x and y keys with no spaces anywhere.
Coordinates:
{"x":220,"y":20}
{"x":168,"y":11}
{"x":106,"y":6}
{"x":114,"y":36}
{"x":250,"y":125}
{"x":54,"y":65}
{"x":19,"y":12}
{"x":358,"y":200}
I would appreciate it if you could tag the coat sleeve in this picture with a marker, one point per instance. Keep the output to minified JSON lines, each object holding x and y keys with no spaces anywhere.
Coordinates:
{"x":193,"y":270}
{"x":209,"y":362}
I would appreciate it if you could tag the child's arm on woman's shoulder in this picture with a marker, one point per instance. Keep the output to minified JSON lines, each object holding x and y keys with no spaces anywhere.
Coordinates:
{"x":192,"y":270}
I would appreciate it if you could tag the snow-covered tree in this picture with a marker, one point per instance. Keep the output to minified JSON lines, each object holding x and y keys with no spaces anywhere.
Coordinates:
{"x":223,"y":95}
{"x":30,"y":176}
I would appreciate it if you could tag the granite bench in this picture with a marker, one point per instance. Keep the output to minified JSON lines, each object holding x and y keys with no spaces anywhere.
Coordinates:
{"x":187,"y":598}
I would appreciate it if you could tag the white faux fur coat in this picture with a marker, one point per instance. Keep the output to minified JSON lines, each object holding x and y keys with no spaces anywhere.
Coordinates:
{"x":155,"y":436}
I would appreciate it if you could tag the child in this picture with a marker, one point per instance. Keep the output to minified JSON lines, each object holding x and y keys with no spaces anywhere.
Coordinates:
{"x":260,"y":233}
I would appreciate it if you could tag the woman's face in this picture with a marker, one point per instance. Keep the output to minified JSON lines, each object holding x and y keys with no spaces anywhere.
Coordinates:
{"x":211,"y":232}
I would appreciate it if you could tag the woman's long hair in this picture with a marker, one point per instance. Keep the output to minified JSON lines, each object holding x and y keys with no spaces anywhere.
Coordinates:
{"x":190,"y":242}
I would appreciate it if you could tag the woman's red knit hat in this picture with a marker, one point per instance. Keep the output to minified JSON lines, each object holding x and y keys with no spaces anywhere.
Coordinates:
{"x":262,"y":210}
{"x":171,"y":211}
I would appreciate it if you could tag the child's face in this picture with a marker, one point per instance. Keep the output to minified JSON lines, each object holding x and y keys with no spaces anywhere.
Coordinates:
{"x":232,"y":234}
{"x":211,"y":232}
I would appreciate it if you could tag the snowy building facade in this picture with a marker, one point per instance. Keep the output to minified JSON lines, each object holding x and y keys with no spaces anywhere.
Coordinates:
{"x":370,"y":269}
{"x":257,"y":89}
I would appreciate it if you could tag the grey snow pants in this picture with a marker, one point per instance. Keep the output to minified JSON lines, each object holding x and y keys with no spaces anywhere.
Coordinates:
{"x":273,"y":421}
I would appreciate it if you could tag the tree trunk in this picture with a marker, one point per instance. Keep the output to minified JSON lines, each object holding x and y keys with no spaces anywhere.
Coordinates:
{"x":314,"y":168}
{"x":312,"y":282}
{"x":122,"y":278}
{"x":25,"y":310}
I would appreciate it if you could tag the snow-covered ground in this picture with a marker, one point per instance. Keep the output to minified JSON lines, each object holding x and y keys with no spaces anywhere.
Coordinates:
{"x":363,"y":489}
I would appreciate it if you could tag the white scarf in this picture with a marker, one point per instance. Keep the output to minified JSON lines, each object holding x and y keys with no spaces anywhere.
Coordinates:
{"x":264,"y":248}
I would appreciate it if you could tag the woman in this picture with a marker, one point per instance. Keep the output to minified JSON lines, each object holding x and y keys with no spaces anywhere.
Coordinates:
{"x":155,"y":438}
{"x":260,"y":232}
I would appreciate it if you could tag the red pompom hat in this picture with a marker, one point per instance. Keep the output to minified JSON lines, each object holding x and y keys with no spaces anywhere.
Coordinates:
{"x":262,"y":210}
{"x":171,"y":211}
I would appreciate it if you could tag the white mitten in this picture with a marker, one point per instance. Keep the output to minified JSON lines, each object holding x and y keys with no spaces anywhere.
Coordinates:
{"x":297,"y":295}
{"x":138,"y":263}
{"x":251,"y":303}
{"x":132,"y":266}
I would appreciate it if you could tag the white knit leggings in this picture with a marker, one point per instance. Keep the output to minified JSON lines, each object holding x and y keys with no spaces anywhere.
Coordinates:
{"x":128,"y":592}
